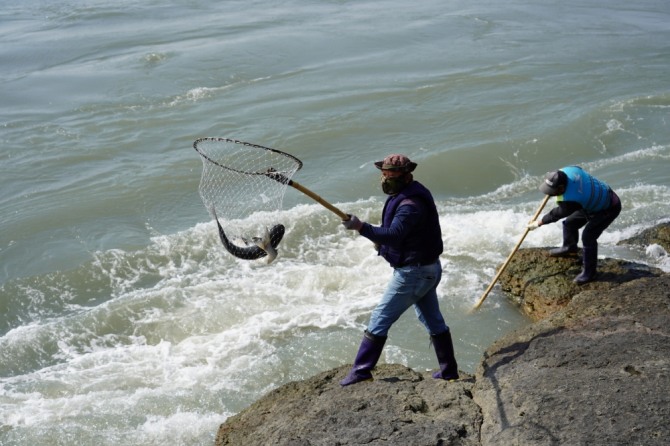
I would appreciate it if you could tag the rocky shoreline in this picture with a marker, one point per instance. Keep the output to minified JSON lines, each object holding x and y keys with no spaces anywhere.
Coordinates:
{"x":593,"y":370}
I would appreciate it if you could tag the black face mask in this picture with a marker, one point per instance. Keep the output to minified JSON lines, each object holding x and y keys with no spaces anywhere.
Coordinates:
{"x":392,"y":186}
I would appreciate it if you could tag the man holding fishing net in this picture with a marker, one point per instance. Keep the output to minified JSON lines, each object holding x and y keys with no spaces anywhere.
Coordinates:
{"x":240,"y":179}
{"x":410,"y":239}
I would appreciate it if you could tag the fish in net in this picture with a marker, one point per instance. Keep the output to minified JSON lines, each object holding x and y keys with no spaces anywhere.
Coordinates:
{"x":243,"y":186}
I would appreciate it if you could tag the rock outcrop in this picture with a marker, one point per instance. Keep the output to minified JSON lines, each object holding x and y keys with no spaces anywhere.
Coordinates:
{"x":594,"y":370}
{"x":541,"y":285}
{"x":595,"y":373}
{"x":657,"y":235}
{"x":400,"y":407}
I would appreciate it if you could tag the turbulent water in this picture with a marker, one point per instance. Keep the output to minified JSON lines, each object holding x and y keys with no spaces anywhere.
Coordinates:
{"x":123,"y":321}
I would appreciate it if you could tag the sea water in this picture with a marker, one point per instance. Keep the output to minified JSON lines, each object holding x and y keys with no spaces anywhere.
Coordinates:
{"x":123,"y":321}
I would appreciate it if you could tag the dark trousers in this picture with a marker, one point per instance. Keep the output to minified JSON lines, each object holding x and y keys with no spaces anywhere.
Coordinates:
{"x":595,"y":225}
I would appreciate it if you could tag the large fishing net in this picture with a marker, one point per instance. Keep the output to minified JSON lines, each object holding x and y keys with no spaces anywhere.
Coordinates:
{"x":243,"y":186}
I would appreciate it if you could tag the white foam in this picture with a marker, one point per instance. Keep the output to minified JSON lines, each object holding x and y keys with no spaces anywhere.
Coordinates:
{"x":184,"y":318}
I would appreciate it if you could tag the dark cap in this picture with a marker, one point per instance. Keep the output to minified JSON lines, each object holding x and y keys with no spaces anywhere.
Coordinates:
{"x":396,"y":162}
{"x":553,"y":182}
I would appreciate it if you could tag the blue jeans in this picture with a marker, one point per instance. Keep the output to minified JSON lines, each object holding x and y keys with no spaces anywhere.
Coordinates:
{"x":410,"y":285}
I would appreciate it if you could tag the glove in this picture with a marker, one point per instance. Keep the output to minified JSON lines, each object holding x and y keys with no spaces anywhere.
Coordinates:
{"x":353,"y":223}
{"x":534,"y":225}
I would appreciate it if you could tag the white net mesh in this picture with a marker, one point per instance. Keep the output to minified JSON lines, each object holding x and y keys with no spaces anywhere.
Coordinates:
{"x":244,"y":184}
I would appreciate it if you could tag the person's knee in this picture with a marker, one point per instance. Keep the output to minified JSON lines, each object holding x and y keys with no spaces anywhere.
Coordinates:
{"x":589,"y":241}
{"x":574,"y":222}
{"x":377,"y":332}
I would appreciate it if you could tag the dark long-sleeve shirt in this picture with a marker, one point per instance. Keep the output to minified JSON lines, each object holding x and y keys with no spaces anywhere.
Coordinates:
{"x":564,"y":209}
{"x":405,"y":219}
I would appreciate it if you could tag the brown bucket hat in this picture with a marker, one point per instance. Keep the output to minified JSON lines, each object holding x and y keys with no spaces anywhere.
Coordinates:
{"x":396,"y":162}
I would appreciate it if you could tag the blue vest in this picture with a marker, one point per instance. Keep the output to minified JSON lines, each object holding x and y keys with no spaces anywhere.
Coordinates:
{"x":424,"y":243}
{"x":591,"y":193}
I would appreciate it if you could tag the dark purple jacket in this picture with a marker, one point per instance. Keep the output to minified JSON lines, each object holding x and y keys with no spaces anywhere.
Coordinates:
{"x":410,"y":233}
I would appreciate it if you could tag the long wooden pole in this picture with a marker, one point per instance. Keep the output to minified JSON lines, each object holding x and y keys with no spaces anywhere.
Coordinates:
{"x":283,"y":179}
{"x":509,"y":258}
{"x":320,"y":200}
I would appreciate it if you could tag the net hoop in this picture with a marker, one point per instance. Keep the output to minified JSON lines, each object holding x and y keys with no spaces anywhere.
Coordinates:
{"x":255,"y":184}
{"x":248,"y":144}
{"x":242,"y":186}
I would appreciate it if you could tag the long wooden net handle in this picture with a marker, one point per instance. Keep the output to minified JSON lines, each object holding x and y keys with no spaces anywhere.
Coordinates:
{"x":318,"y":199}
{"x":509,"y":258}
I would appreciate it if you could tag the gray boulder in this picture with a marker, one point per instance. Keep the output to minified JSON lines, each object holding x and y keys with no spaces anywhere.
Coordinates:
{"x":400,"y":407}
{"x":596,"y":373}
